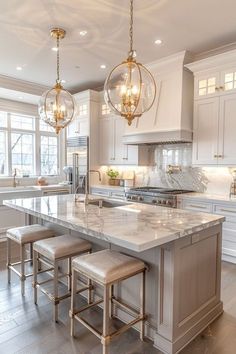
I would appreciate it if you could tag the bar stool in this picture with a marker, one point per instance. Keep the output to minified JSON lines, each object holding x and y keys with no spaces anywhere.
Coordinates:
{"x":49,"y":252}
{"x":25,"y":235}
{"x":108,"y":268}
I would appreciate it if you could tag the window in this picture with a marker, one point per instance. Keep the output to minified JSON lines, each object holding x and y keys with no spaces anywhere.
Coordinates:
{"x":83,"y":110}
{"x":22,"y":153}
{"x":28,"y":145}
{"x":48,"y":156}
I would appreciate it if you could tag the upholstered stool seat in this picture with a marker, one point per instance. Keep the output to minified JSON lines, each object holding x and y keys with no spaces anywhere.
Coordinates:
{"x":62,"y":246}
{"x":24,"y":235}
{"x":50,"y":252}
{"x":29,"y":233}
{"x":107,"y":268}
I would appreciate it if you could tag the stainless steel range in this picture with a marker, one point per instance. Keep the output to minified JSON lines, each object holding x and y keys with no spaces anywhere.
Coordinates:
{"x":153,"y":195}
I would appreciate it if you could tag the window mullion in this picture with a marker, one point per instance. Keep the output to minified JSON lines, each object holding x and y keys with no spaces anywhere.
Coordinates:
{"x":9,"y":152}
{"x":37,"y":147}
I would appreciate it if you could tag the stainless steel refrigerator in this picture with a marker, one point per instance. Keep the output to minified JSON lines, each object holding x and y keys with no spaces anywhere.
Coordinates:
{"x":78,"y":158}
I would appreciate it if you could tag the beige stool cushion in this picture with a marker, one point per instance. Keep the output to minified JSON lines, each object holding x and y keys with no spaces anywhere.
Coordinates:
{"x":29,"y":233}
{"x":107,"y":266}
{"x":62,"y":246}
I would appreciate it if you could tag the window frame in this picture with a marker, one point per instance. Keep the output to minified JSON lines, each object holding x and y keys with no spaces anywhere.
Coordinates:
{"x":37,"y":133}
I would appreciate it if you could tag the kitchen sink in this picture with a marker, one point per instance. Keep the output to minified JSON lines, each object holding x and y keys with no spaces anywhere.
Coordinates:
{"x":103,"y":203}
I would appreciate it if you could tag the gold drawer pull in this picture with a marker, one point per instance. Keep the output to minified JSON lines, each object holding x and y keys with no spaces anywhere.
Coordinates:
{"x":228,"y":211}
{"x":197,"y":206}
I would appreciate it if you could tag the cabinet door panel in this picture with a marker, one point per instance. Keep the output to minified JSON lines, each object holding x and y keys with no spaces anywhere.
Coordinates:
{"x":106,"y":141}
{"x":119,"y":127}
{"x":227,"y":128}
{"x":205,"y":136}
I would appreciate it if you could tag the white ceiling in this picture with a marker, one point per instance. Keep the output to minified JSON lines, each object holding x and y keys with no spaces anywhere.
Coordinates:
{"x":195,"y":25}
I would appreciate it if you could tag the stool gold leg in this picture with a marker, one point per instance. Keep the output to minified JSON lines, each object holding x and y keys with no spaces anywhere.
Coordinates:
{"x":69,"y":274}
{"x":31,"y":253}
{"x":22,"y":260}
{"x":90,"y":294}
{"x":110,"y":301}
{"x":8,"y":260}
{"x":35,"y":272}
{"x":142,"y":305}
{"x":55,"y":291}
{"x":105,"y":331}
{"x":73,"y":303}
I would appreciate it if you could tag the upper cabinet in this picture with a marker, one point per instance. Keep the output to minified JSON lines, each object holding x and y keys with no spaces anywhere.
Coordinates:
{"x":214,"y":140}
{"x":112,"y":151}
{"x":80,"y":124}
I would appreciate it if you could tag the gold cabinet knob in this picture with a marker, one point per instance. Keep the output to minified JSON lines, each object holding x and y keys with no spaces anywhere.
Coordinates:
{"x":215,"y":156}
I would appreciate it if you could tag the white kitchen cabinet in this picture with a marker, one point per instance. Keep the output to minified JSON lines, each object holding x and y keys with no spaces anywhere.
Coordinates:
{"x":215,"y":110}
{"x":226,"y":209}
{"x":106,"y":141}
{"x":227,"y":129}
{"x":205,"y":132}
{"x":214,"y":131}
{"x":111,"y":148}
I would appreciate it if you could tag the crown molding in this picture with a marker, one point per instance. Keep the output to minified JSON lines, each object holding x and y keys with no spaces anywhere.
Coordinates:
{"x":213,"y":62}
{"x":12,"y":83}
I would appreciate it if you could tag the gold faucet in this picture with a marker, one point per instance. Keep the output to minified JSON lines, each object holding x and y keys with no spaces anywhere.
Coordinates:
{"x":14,"y":178}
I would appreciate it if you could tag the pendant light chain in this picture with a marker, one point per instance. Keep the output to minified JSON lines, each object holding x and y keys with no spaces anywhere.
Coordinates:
{"x":58,"y":60}
{"x":131,"y":25}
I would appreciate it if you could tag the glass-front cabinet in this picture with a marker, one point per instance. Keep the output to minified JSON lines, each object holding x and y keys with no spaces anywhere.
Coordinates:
{"x":207,"y":85}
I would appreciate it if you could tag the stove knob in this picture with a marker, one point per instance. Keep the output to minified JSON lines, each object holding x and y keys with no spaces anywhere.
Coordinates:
{"x":159,"y":201}
{"x":129,"y":197}
{"x":163,"y":202}
{"x":154,"y":201}
{"x":140,"y":199}
{"x":134,"y":197}
{"x":169,"y":202}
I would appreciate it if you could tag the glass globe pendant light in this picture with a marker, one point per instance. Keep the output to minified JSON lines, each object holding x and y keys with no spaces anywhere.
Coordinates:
{"x":57,"y":106}
{"x":130,"y":89}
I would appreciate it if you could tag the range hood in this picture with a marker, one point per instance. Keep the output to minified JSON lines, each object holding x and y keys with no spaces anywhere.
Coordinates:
{"x":170,"y":118}
{"x":159,"y":138}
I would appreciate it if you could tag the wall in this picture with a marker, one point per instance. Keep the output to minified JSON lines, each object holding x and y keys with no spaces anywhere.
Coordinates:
{"x":213,"y":180}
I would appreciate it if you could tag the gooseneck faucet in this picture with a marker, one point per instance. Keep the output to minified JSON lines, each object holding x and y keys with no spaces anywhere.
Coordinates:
{"x":86,"y":199}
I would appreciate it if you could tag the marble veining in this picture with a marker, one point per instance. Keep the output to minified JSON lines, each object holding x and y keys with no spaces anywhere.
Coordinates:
{"x":134,"y":226}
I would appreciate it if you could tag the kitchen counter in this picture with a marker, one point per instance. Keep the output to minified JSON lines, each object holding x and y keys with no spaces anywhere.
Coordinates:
{"x":207,"y":197}
{"x":107,"y":186}
{"x":182,"y":249}
{"x":124,"y":226}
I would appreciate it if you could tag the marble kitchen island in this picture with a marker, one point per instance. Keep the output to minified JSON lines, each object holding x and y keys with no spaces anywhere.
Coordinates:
{"x":182,"y":248}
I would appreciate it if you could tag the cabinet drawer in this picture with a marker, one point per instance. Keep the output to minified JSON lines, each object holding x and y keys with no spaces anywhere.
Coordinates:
{"x":229,"y":235}
{"x":197,"y":206}
{"x":102,"y":192}
{"x":228,"y":211}
{"x":118,"y":195}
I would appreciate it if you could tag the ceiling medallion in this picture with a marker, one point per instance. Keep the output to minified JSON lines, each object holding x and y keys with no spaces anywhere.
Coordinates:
{"x":57,"y":105}
{"x":130,"y":89}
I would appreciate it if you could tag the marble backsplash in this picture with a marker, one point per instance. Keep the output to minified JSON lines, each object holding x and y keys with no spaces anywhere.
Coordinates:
{"x":212,"y":180}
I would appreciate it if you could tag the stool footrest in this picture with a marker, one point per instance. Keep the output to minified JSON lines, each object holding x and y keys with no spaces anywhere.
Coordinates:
{"x":121,"y":303}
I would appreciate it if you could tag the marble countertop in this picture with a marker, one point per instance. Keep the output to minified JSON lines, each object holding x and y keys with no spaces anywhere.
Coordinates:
{"x":133,"y":226}
{"x":107,"y":186}
{"x":208,"y":197}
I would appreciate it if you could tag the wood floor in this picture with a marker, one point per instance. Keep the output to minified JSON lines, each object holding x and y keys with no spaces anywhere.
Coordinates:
{"x":28,"y":329}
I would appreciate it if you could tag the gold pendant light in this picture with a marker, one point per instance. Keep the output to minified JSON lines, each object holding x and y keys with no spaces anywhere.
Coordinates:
{"x":130,"y":89}
{"x":57,"y":106}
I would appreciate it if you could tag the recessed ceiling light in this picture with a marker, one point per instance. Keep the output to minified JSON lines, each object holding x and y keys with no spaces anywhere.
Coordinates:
{"x":55,"y":49}
{"x":83,"y":33}
{"x":77,"y":67}
{"x":103,"y":66}
{"x":19,"y":68}
{"x":158,"y":41}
